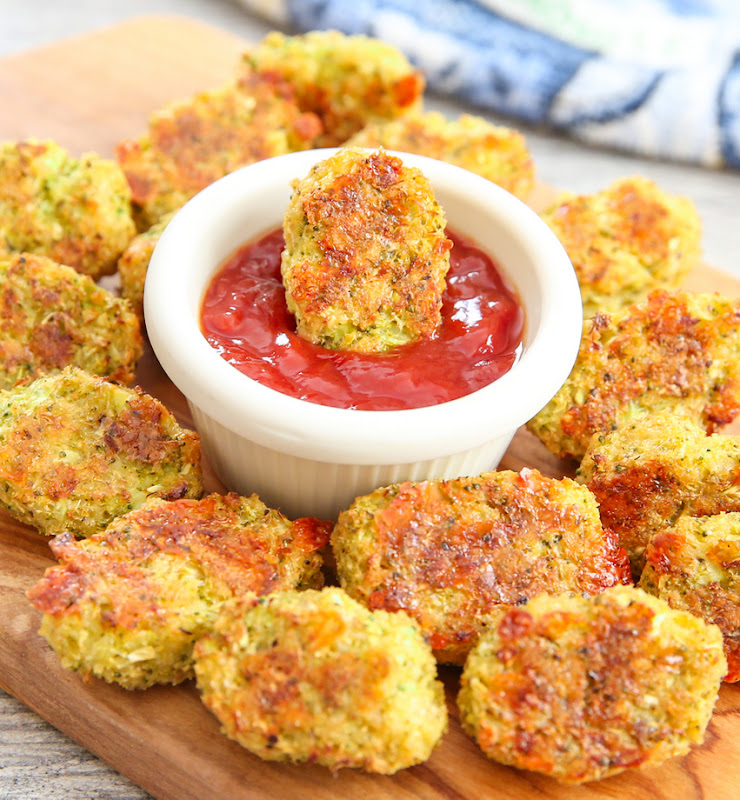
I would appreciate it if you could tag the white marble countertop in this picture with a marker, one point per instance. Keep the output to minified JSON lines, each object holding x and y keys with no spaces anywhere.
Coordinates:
{"x":36,"y":761}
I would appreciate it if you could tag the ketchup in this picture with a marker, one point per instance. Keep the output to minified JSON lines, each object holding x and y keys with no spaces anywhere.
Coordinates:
{"x":245,"y":318}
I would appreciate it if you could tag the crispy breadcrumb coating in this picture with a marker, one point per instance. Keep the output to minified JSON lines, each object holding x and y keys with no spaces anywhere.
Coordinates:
{"x":76,"y":211}
{"x":134,"y":263}
{"x":52,"y":316}
{"x":654,"y":468}
{"x":695,"y":566}
{"x":77,"y":451}
{"x":677,"y":352}
{"x":626,"y":240}
{"x":347,"y":81}
{"x":366,"y":255}
{"x":497,"y":153}
{"x":128,"y":603}
{"x":448,"y":551}
{"x":315,"y":677}
{"x":580,"y":688}
{"x":193,"y":142}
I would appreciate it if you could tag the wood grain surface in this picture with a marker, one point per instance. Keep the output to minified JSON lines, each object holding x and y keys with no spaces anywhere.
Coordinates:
{"x":88,"y":93}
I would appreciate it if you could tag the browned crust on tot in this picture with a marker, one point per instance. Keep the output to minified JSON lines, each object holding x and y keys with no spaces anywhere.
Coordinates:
{"x":676,"y":352}
{"x":353,"y":291}
{"x":581,"y":688}
{"x":449,"y":552}
{"x":695,"y":566}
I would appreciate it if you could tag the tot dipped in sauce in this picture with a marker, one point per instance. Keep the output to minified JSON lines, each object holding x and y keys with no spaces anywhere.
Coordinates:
{"x":363,"y":299}
{"x":366,"y":255}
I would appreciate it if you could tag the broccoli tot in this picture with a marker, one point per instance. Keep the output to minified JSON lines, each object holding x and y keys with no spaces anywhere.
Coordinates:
{"x":315,"y":677}
{"x":580,"y":688}
{"x":347,"y":81}
{"x":652,"y":469}
{"x":53,"y":317}
{"x":448,"y":552}
{"x":76,"y":211}
{"x":134,"y":264}
{"x":366,"y":255}
{"x":77,"y":451}
{"x":676,"y":352}
{"x":497,"y":153}
{"x":128,"y":603}
{"x":190,"y":143}
{"x":626,"y":241}
{"x":695,"y":566}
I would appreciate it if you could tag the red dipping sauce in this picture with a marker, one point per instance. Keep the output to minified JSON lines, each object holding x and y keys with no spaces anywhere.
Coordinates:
{"x":245,"y":318}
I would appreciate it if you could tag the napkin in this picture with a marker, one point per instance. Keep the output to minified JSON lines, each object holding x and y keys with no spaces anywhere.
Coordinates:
{"x":656,"y":77}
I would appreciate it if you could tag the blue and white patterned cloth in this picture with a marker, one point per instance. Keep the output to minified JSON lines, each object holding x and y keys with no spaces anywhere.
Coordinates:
{"x":656,"y":77}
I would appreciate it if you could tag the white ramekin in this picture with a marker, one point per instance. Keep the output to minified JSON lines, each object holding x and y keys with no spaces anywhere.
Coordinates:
{"x":313,"y":460}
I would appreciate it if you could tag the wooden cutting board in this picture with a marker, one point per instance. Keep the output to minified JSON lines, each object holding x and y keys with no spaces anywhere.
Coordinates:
{"x":88,"y":93}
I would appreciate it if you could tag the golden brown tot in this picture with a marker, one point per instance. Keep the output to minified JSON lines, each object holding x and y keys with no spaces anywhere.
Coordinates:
{"x":366,"y":255}
{"x":495,"y":152}
{"x":626,"y":240}
{"x":315,"y":677}
{"x":76,"y":211}
{"x":191,"y":143}
{"x":652,"y":469}
{"x":52,"y":316}
{"x":675,"y":352}
{"x":128,"y":603}
{"x":77,"y":451}
{"x":695,"y":566}
{"x":580,"y":688}
{"x":448,"y":552}
{"x":347,"y":81}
